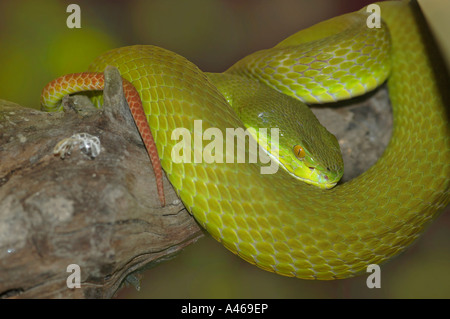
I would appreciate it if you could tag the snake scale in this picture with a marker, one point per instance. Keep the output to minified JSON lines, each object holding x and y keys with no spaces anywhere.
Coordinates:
{"x":275,"y":221}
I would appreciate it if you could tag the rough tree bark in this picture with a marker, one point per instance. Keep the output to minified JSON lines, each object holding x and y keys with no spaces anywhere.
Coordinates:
{"x":103,"y":213}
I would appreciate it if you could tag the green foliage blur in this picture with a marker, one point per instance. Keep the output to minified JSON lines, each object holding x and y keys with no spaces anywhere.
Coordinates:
{"x":36,"y":46}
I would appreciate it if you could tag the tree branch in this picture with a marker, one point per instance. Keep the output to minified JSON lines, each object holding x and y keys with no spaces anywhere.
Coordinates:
{"x":100,"y":213}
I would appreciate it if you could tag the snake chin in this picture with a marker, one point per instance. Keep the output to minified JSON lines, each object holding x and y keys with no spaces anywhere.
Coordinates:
{"x":325,"y":183}
{"x":316,"y":177}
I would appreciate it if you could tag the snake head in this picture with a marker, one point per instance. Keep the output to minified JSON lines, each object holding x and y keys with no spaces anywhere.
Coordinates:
{"x":307,"y":169}
{"x":306,"y":150}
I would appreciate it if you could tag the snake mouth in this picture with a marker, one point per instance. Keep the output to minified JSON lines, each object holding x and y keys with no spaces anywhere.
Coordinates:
{"x":311,"y":175}
{"x":324,"y":181}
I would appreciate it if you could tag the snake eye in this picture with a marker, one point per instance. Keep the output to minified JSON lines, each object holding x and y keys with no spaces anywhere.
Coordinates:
{"x":299,"y":152}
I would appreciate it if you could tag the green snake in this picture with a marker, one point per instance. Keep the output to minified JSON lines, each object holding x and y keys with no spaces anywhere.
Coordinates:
{"x":274,"y":221}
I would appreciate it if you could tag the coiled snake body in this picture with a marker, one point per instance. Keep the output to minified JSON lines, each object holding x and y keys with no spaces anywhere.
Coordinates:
{"x":274,"y":221}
